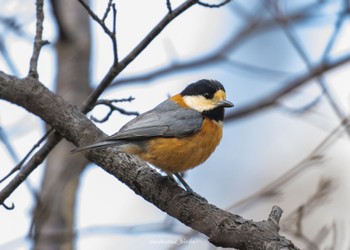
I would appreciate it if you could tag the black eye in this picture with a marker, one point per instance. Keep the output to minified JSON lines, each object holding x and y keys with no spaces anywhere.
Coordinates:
{"x":206,"y":95}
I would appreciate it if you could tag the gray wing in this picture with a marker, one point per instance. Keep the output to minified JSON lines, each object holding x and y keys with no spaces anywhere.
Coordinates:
{"x":165,"y":120}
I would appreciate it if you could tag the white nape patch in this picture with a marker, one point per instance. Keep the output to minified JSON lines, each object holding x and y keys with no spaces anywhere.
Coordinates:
{"x":199,"y":103}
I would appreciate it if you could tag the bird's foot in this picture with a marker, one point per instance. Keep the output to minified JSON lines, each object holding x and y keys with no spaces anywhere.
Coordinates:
{"x":189,"y":190}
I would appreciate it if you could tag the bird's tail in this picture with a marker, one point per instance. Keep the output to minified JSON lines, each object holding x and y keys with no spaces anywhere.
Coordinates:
{"x":101,"y":144}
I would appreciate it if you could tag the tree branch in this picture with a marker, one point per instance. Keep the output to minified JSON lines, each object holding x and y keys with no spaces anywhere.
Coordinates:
{"x":38,"y":42}
{"x":101,"y":22}
{"x":222,"y":228}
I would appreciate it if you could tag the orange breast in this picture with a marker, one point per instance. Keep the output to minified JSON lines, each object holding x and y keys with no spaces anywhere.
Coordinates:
{"x":180,"y":154}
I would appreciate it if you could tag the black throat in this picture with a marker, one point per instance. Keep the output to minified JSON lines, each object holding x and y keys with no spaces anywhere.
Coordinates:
{"x":216,"y":114}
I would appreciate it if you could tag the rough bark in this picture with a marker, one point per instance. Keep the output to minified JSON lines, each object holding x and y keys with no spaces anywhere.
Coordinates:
{"x":221,"y":227}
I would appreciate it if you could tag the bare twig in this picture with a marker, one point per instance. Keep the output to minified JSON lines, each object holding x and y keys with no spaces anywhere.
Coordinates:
{"x":8,"y":207}
{"x":29,"y":167}
{"x":38,"y":42}
{"x":168,"y":5}
{"x":114,"y":40}
{"x":97,"y":19}
{"x":208,"y":5}
{"x":19,"y":165}
{"x":112,"y":108}
{"x":101,"y":22}
{"x":108,"y":9}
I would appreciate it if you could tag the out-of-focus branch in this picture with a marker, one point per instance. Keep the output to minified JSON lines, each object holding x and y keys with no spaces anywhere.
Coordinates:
{"x":56,"y":200}
{"x":293,"y":223}
{"x":253,"y":24}
{"x":8,"y":60}
{"x":271,"y":99}
{"x":337,"y":27}
{"x":38,"y":41}
{"x":4,"y":140}
{"x":303,"y":54}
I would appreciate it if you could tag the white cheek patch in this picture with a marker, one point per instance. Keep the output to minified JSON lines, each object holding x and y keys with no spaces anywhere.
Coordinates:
{"x":199,"y":103}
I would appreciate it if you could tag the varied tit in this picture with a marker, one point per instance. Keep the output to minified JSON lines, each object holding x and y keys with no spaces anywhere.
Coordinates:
{"x":178,"y":134}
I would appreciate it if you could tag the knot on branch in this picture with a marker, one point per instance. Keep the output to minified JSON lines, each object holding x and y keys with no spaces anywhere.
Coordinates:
{"x":234,"y":231}
{"x":275,"y":215}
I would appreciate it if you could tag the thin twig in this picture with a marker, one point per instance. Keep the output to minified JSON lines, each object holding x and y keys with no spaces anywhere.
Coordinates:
{"x":114,"y":38}
{"x":108,"y":9}
{"x":20,"y":164}
{"x":96,"y":18}
{"x":101,"y":22}
{"x":8,"y":207}
{"x":208,"y":5}
{"x":30,"y":166}
{"x":38,"y":42}
{"x":168,"y":5}
{"x":112,"y":108}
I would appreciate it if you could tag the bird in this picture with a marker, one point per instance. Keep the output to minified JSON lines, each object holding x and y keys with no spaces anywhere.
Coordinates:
{"x":178,"y":134}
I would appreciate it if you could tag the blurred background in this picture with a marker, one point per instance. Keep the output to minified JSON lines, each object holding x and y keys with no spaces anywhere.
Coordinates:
{"x":285,"y":66}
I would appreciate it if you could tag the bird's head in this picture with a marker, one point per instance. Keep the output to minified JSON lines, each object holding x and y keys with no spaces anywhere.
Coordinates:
{"x":206,"y":95}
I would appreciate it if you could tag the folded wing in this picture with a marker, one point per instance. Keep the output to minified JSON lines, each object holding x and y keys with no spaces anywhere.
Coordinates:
{"x":168,"y":119}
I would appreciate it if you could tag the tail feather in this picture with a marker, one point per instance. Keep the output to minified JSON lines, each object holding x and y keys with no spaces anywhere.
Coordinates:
{"x":102,"y":144}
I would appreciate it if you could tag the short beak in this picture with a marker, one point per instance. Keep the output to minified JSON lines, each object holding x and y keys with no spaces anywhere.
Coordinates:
{"x":226,"y":104}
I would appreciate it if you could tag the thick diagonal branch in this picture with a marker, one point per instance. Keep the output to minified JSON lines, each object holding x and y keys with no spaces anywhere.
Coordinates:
{"x":222,"y":228}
